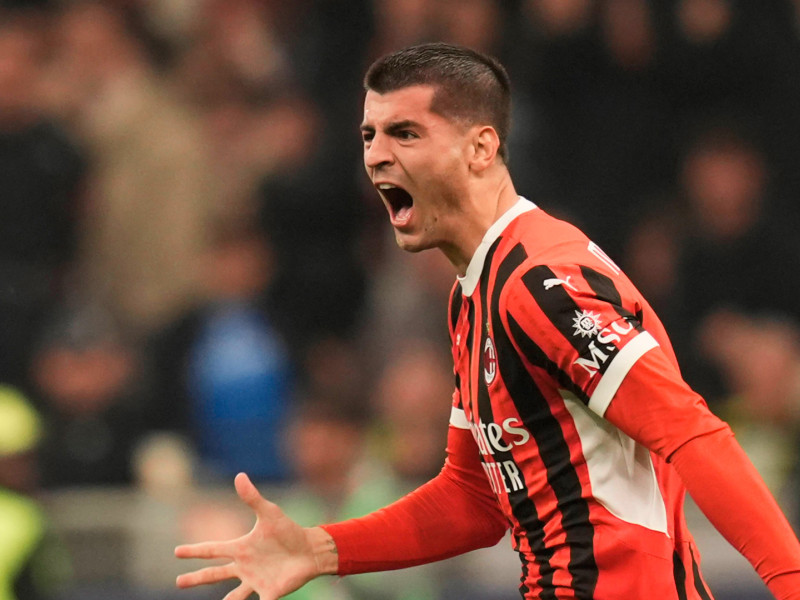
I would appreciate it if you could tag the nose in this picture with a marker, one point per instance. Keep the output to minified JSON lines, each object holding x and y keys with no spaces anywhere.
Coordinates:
{"x":377,"y":152}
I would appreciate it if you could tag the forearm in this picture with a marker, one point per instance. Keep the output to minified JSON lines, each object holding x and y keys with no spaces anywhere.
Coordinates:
{"x":675,"y":423}
{"x":438,"y":520}
{"x":453,"y":513}
{"x":730,"y":492}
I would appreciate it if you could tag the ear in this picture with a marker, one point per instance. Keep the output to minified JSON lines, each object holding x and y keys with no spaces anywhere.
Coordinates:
{"x":485,"y":144}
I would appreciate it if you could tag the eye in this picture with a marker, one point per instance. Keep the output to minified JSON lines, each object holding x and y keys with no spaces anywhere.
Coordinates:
{"x":367,"y":136}
{"x":406,"y":134}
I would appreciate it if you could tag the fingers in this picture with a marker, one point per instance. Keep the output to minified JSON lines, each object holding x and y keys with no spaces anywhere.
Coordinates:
{"x":241,"y":592}
{"x":206,"y":576}
{"x":204,"y":550}
{"x":249,"y":494}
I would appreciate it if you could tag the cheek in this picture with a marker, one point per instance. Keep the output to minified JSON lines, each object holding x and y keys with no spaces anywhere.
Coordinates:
{"x":455,"y":180}
{"x":449,"y":162}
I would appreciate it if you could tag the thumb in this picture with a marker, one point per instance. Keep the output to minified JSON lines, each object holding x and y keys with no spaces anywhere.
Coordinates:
{"x":250,"y":496}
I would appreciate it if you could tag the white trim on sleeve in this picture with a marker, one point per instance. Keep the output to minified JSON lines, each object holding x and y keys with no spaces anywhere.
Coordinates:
{"x":618,"y":369}
{"x":458,"y":418}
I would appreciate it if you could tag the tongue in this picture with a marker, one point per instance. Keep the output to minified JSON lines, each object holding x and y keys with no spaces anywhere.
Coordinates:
{"x":403,"y":215}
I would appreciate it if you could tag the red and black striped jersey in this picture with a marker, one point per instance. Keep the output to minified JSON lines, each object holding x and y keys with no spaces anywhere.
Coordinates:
{"x":545,"y":329}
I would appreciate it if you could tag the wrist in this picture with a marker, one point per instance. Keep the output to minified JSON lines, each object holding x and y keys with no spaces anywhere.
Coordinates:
{"x":323,"y":547}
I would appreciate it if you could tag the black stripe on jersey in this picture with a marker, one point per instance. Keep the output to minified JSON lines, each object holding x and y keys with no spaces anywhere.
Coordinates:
{"x":698,"y":579}
{"x":554,"y":452}
{"x":470,"y":337}
{"x":522,"y":506}
{"x":565,"y":315}
{"x":533,"y":353}
{"x":456,"y":298}
{"x":526,"y":568}
{"x":557,"y":305}
{"x":458,"y":387}
{"x":679,"y":575}
{"x":603,"y":286}
{"x":536,"y":356}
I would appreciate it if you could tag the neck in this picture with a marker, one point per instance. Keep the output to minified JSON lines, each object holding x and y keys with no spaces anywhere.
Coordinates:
{"x":482,"y":208}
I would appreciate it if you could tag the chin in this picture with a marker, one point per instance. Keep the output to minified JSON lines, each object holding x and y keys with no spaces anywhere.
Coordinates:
{"x":410,"y":244}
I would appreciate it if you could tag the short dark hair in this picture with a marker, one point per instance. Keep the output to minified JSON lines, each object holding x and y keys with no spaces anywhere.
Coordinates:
{"x":469,"y":86}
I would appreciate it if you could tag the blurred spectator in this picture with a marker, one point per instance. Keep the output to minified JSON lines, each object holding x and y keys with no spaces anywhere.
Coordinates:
{"x":628,"y":33}
{"x":473,"y":23}
{"x":31,"y":564}
{"x":413,"y":398}
{"x":151,"y":196}
{"x":251,"y":140}
{"x":652,"y":257}
{"x":781,"y":119}
{"x":222,"y":373}
{"x":716,"y":55}
{"x":232,"y":67}
{"x":717,"y":247}
{"x":87,"y":380}
{"x":268,"y":137}
{"x":337,"y":479}
{"x":231,"y":52}
{"x":759,"y":357}
{"x":604,"y":137}
{"x":736,"y":255}
{"x":319,"y":284}
{"x":334,"y":366}
{"x":40,"y":174}
{"x":399,"y":23}
{"x":325,"y":43}
{"x":407,"y":300}
{"x":312,"y":211}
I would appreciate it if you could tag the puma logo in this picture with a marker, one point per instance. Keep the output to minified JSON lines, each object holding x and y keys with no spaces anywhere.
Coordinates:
{"x":554,"y":281}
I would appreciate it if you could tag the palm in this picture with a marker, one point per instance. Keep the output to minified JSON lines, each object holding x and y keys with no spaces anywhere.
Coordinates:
{"x":275,"y":558}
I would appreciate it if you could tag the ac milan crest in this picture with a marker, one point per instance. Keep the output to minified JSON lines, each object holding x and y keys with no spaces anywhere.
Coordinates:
{"x":489,"y":361}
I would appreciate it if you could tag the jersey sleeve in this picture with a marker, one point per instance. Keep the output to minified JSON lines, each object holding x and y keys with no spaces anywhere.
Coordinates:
{"x":453,"y":513}
{"x":658,"y":409}
{"x":730,"y":492}
{"x":574,"y":322}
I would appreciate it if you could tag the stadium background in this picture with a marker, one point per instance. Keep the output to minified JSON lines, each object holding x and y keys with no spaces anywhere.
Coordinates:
{"x":196,"y":279}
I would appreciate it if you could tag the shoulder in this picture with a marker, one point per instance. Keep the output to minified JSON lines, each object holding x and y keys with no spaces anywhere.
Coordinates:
{"x":557,"y":257}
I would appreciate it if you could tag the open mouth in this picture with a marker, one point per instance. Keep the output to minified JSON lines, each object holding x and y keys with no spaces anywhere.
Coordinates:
{"x":400,"y":201}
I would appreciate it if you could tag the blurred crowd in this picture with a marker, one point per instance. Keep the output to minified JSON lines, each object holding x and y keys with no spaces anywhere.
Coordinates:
{"x":196,"y":277}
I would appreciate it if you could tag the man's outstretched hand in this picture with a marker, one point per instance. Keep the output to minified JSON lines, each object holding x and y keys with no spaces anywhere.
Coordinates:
{"x":277,"y":557}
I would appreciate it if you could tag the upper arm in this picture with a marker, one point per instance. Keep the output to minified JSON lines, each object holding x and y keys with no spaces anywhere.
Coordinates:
{"x":574,"y":322}
{"x":586,"y":329}
{"x":657,"y":408}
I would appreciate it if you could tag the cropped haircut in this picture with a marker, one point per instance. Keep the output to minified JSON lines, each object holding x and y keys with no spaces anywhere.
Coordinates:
{"x":470,"y":87}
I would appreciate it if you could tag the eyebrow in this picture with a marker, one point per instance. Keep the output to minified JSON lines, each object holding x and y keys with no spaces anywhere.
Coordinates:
{"x":392,"y":128}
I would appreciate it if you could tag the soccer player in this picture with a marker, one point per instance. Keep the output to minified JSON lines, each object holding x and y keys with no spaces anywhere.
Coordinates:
{"x":570,"y":423}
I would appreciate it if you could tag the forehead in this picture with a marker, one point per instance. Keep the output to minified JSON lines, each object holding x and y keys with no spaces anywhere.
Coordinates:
{"x":411,"y":103}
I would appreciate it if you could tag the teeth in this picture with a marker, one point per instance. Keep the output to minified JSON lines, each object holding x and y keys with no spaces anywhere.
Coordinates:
{"x":386,"y":186}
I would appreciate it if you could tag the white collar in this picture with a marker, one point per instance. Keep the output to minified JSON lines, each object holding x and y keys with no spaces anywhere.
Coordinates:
{"x":470,"y":279}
